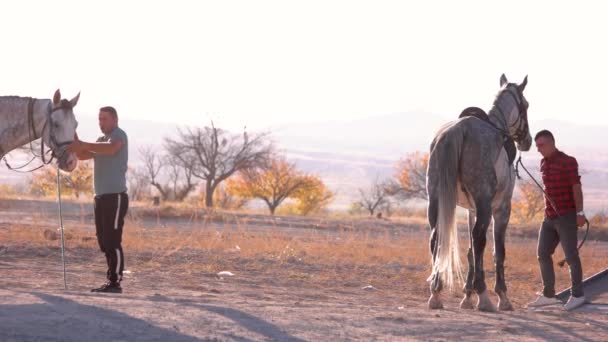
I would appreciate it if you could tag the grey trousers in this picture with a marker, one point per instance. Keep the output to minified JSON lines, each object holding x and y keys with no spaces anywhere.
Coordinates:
{"x":553,"y":231}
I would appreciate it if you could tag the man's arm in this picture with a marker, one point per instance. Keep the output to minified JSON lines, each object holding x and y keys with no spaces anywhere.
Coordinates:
{"x":577,"y":190}
{"x":577,"y":193}
{"x":84,"y":155}
{"x":109,"y":148}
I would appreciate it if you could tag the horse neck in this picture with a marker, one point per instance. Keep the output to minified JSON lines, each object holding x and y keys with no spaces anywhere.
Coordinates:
{"x":15,"y":128}
{"x":502,"y":120}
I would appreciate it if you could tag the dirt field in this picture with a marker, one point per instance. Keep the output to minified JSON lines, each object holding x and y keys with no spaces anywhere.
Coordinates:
{"x":293,"y":279}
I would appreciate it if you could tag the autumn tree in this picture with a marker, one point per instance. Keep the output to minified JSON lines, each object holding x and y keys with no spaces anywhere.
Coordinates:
{"x":529,"y":203}
{"x":410,"y":177}
{"x":272,"y":182}
{"x":313,"y":196}
{"x":76,"y":183}
{"x":217,"y":154}
{"x":224,"y":199}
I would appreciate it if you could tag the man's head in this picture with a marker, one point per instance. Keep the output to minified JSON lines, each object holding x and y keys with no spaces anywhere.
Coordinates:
{"x":545,"y":143}
{"x":108,"y":119}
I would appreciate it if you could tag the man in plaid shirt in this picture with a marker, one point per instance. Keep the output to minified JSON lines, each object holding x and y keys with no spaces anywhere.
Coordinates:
{"x":563,"y":215}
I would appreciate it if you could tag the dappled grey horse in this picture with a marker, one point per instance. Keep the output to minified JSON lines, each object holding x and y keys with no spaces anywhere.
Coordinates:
{"x":469,"y":167}
{"x":25,"y":119}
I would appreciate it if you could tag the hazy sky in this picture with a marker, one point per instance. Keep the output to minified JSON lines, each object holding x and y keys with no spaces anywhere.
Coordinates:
{"x":266,"y":62}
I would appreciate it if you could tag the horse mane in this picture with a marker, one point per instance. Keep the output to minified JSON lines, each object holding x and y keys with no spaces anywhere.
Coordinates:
{"x":64,"y":104}
{"x":15,"y":97}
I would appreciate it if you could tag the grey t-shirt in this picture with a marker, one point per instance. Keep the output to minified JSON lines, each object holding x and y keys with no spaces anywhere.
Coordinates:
{"x":110,"y":171}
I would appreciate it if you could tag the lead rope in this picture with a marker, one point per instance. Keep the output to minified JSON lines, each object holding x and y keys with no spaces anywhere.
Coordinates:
{"x":65,"y":283}
{"x":562,"y":262}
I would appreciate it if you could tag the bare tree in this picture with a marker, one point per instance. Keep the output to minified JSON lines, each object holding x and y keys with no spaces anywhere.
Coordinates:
{"x":217,"y":154}
{"x":373,"y":198}
{"x":139,"y":184}
{"x":153,"y":166}
{"x":181,"y":177}
{"x":168,"y":173}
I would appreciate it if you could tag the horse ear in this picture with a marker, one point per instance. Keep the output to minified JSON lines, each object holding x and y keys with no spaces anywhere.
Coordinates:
{"x":503,"y":80}
{"x":74,"y":101}
{"x":57,"y":97}
{"x":523,"y":84}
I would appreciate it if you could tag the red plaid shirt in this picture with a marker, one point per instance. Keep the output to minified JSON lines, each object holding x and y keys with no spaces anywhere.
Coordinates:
{"x":560,"y":173}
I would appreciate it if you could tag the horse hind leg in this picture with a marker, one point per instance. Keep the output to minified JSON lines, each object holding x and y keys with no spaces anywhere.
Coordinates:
{"x":435,"y":281}
{"x":467,"y":301}
{"x":482,"y":221}
{"x":501,"y":220}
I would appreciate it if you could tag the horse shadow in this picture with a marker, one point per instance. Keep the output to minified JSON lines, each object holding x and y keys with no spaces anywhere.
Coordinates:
{"x":247,"y":321}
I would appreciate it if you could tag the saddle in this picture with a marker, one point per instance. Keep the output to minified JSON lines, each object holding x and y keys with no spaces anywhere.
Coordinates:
{"x":508,"y":143}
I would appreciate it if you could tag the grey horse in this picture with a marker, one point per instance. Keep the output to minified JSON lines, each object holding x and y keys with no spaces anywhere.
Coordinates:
{"x":25,"y":119}
{"x":469,"y":167}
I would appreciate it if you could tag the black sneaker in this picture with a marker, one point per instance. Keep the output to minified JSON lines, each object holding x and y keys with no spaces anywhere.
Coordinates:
{"x":109,"y":288}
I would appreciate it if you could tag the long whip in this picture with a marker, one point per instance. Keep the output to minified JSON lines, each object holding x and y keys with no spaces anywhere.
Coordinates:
{"x":65,"y":283}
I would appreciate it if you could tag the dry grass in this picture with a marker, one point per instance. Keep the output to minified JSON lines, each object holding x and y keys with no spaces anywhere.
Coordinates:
{"x":344,"y":259}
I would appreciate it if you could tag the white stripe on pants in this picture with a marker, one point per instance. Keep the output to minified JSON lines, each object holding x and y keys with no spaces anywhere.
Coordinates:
{"x":117,"y":213}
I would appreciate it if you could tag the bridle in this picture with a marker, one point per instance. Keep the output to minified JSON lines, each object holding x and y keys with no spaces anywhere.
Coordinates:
{"x":521,"y":124}
{"x":33,"y":135}
{"x":64,"y":105}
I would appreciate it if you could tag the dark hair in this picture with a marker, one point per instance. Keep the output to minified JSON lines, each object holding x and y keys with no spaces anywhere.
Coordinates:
{"x":109,"y":109}
{"x":544,"y":133}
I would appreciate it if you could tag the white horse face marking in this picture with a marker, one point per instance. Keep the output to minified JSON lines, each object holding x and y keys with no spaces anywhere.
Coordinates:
{"x":61,"y":131}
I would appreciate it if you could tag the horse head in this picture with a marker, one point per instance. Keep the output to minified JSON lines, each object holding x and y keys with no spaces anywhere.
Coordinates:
{"x":60,"y":130}
{"x":516,"y":118}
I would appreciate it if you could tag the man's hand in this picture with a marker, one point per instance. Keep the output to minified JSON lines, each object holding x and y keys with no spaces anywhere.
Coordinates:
{"x":580,"y":220}
{"x":76,"y":146}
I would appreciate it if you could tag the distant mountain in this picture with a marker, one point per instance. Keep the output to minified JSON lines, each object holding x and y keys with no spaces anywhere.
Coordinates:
{"x":389,"y":136}
{"x":350,"y":154}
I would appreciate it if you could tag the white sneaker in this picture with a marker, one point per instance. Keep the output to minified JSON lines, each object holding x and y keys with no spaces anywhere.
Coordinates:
{"x":574,"y":302}
{"x":543,"y":301}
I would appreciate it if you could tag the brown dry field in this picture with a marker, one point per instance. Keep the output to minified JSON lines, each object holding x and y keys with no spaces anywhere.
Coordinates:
{"x":294,"y":279}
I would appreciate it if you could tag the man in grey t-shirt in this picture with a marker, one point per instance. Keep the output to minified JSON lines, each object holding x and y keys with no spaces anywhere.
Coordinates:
{"x":110,"y":155}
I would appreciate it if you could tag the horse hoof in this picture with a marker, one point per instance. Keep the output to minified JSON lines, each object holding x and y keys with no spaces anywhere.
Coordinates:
{"x":467,"y":303}
{"x":435,"y":303}
{"x":504,"y":305}
{"x":484,"y":303}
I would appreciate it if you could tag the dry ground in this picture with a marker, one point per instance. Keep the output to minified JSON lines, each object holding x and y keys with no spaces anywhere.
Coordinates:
{"x":288,"y":284}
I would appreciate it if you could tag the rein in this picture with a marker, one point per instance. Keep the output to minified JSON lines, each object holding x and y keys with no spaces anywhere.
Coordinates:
{"x":551,"y":202}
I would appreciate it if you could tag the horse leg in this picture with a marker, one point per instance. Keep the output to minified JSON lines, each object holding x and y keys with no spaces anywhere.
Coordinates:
{"x":501,"y":220}
{"x":467,"y":301}
{"x":436,"y":285}
{"x":484,"y":215}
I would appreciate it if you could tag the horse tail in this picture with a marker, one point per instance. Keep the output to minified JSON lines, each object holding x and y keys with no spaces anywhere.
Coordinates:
{"x":447,"y":153}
